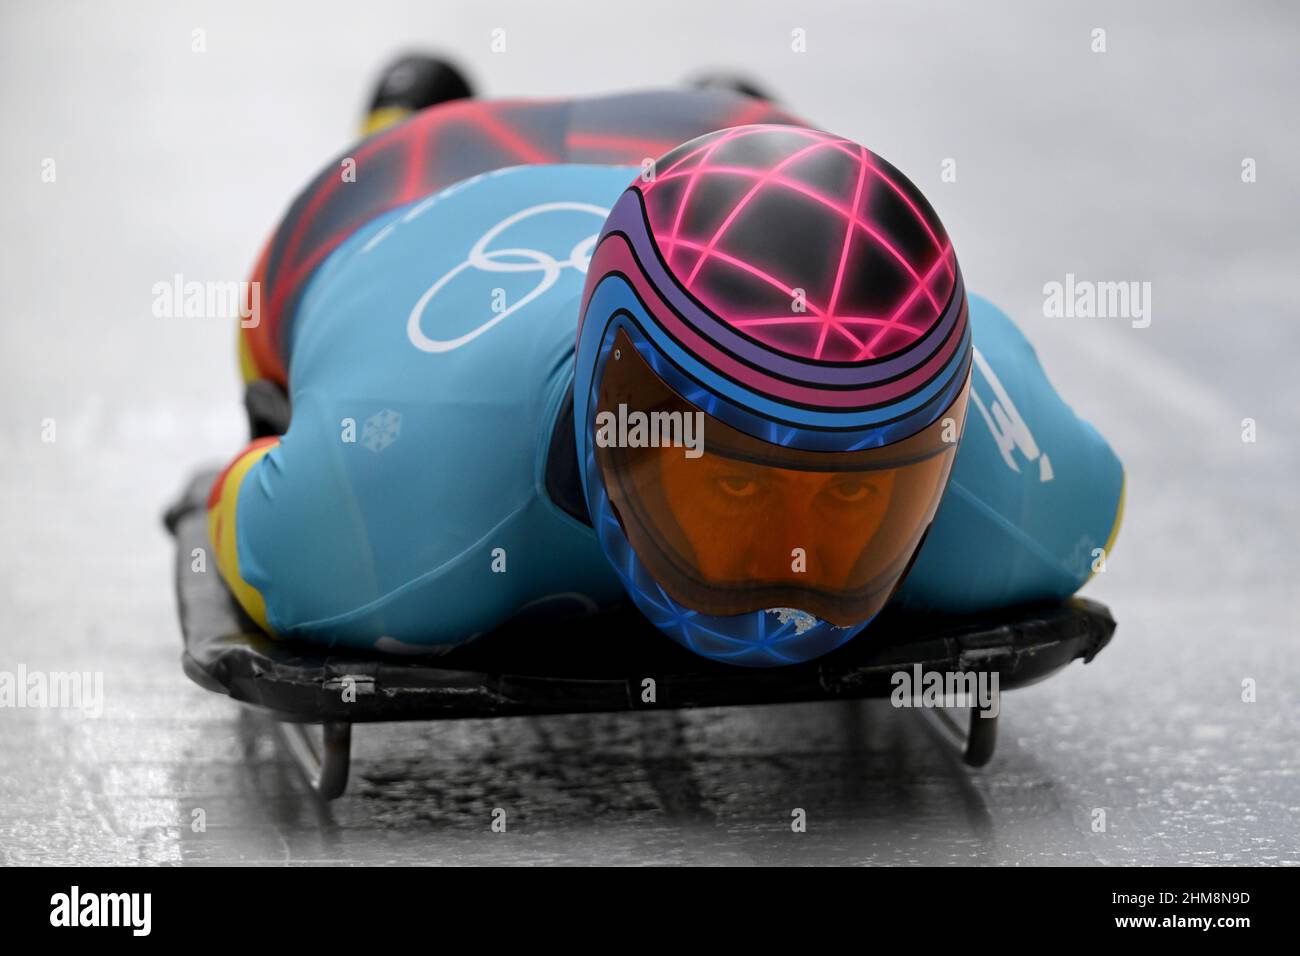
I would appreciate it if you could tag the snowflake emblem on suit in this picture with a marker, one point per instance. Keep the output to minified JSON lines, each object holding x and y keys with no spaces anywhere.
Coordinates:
{"x":381,"y":430}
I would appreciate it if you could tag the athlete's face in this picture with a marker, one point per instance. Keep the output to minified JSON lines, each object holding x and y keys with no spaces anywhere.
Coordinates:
{"x":744,"y":521}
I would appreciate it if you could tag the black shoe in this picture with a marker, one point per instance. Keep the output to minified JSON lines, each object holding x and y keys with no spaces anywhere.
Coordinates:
{"x":733,"y":82}
{"x":416,"y":82}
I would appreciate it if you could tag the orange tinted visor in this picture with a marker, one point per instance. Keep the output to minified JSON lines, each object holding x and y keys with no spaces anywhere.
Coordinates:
{"x":729,"y":524}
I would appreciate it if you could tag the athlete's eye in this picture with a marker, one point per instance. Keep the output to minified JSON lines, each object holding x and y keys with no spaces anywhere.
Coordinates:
{"x":851,"y":490}
{"x":737,"y":486}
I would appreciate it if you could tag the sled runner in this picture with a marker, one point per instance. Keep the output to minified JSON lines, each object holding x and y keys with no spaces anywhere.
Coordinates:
{"x":594,"y":664}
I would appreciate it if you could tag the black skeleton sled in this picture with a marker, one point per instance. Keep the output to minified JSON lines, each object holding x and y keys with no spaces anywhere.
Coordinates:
{"x":588,"y":665}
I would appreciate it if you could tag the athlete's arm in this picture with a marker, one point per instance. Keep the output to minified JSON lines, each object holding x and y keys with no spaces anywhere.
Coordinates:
{"x":287,"y":531}
{"x":1036,"y":494}
{"x":223,"y":527}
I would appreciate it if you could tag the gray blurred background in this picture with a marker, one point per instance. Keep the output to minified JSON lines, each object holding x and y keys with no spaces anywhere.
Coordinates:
{"x":1123,"y":165}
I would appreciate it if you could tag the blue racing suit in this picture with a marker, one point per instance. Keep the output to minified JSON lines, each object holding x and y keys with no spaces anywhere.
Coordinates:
{"x":412,"y":502}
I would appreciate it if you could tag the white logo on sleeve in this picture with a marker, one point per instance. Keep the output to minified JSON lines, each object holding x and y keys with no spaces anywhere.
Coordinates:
{"x":1007,"y":427}
{"x":506,"y":260}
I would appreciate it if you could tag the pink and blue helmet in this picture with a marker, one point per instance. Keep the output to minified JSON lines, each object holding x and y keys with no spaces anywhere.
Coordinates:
{"x":795,"y":296}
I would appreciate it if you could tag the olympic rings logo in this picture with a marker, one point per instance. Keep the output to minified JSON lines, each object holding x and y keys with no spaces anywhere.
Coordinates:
{"x":506,"y":261}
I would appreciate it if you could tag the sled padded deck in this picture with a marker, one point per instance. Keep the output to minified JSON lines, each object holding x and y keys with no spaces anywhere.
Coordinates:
{"x":595,"y":663}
